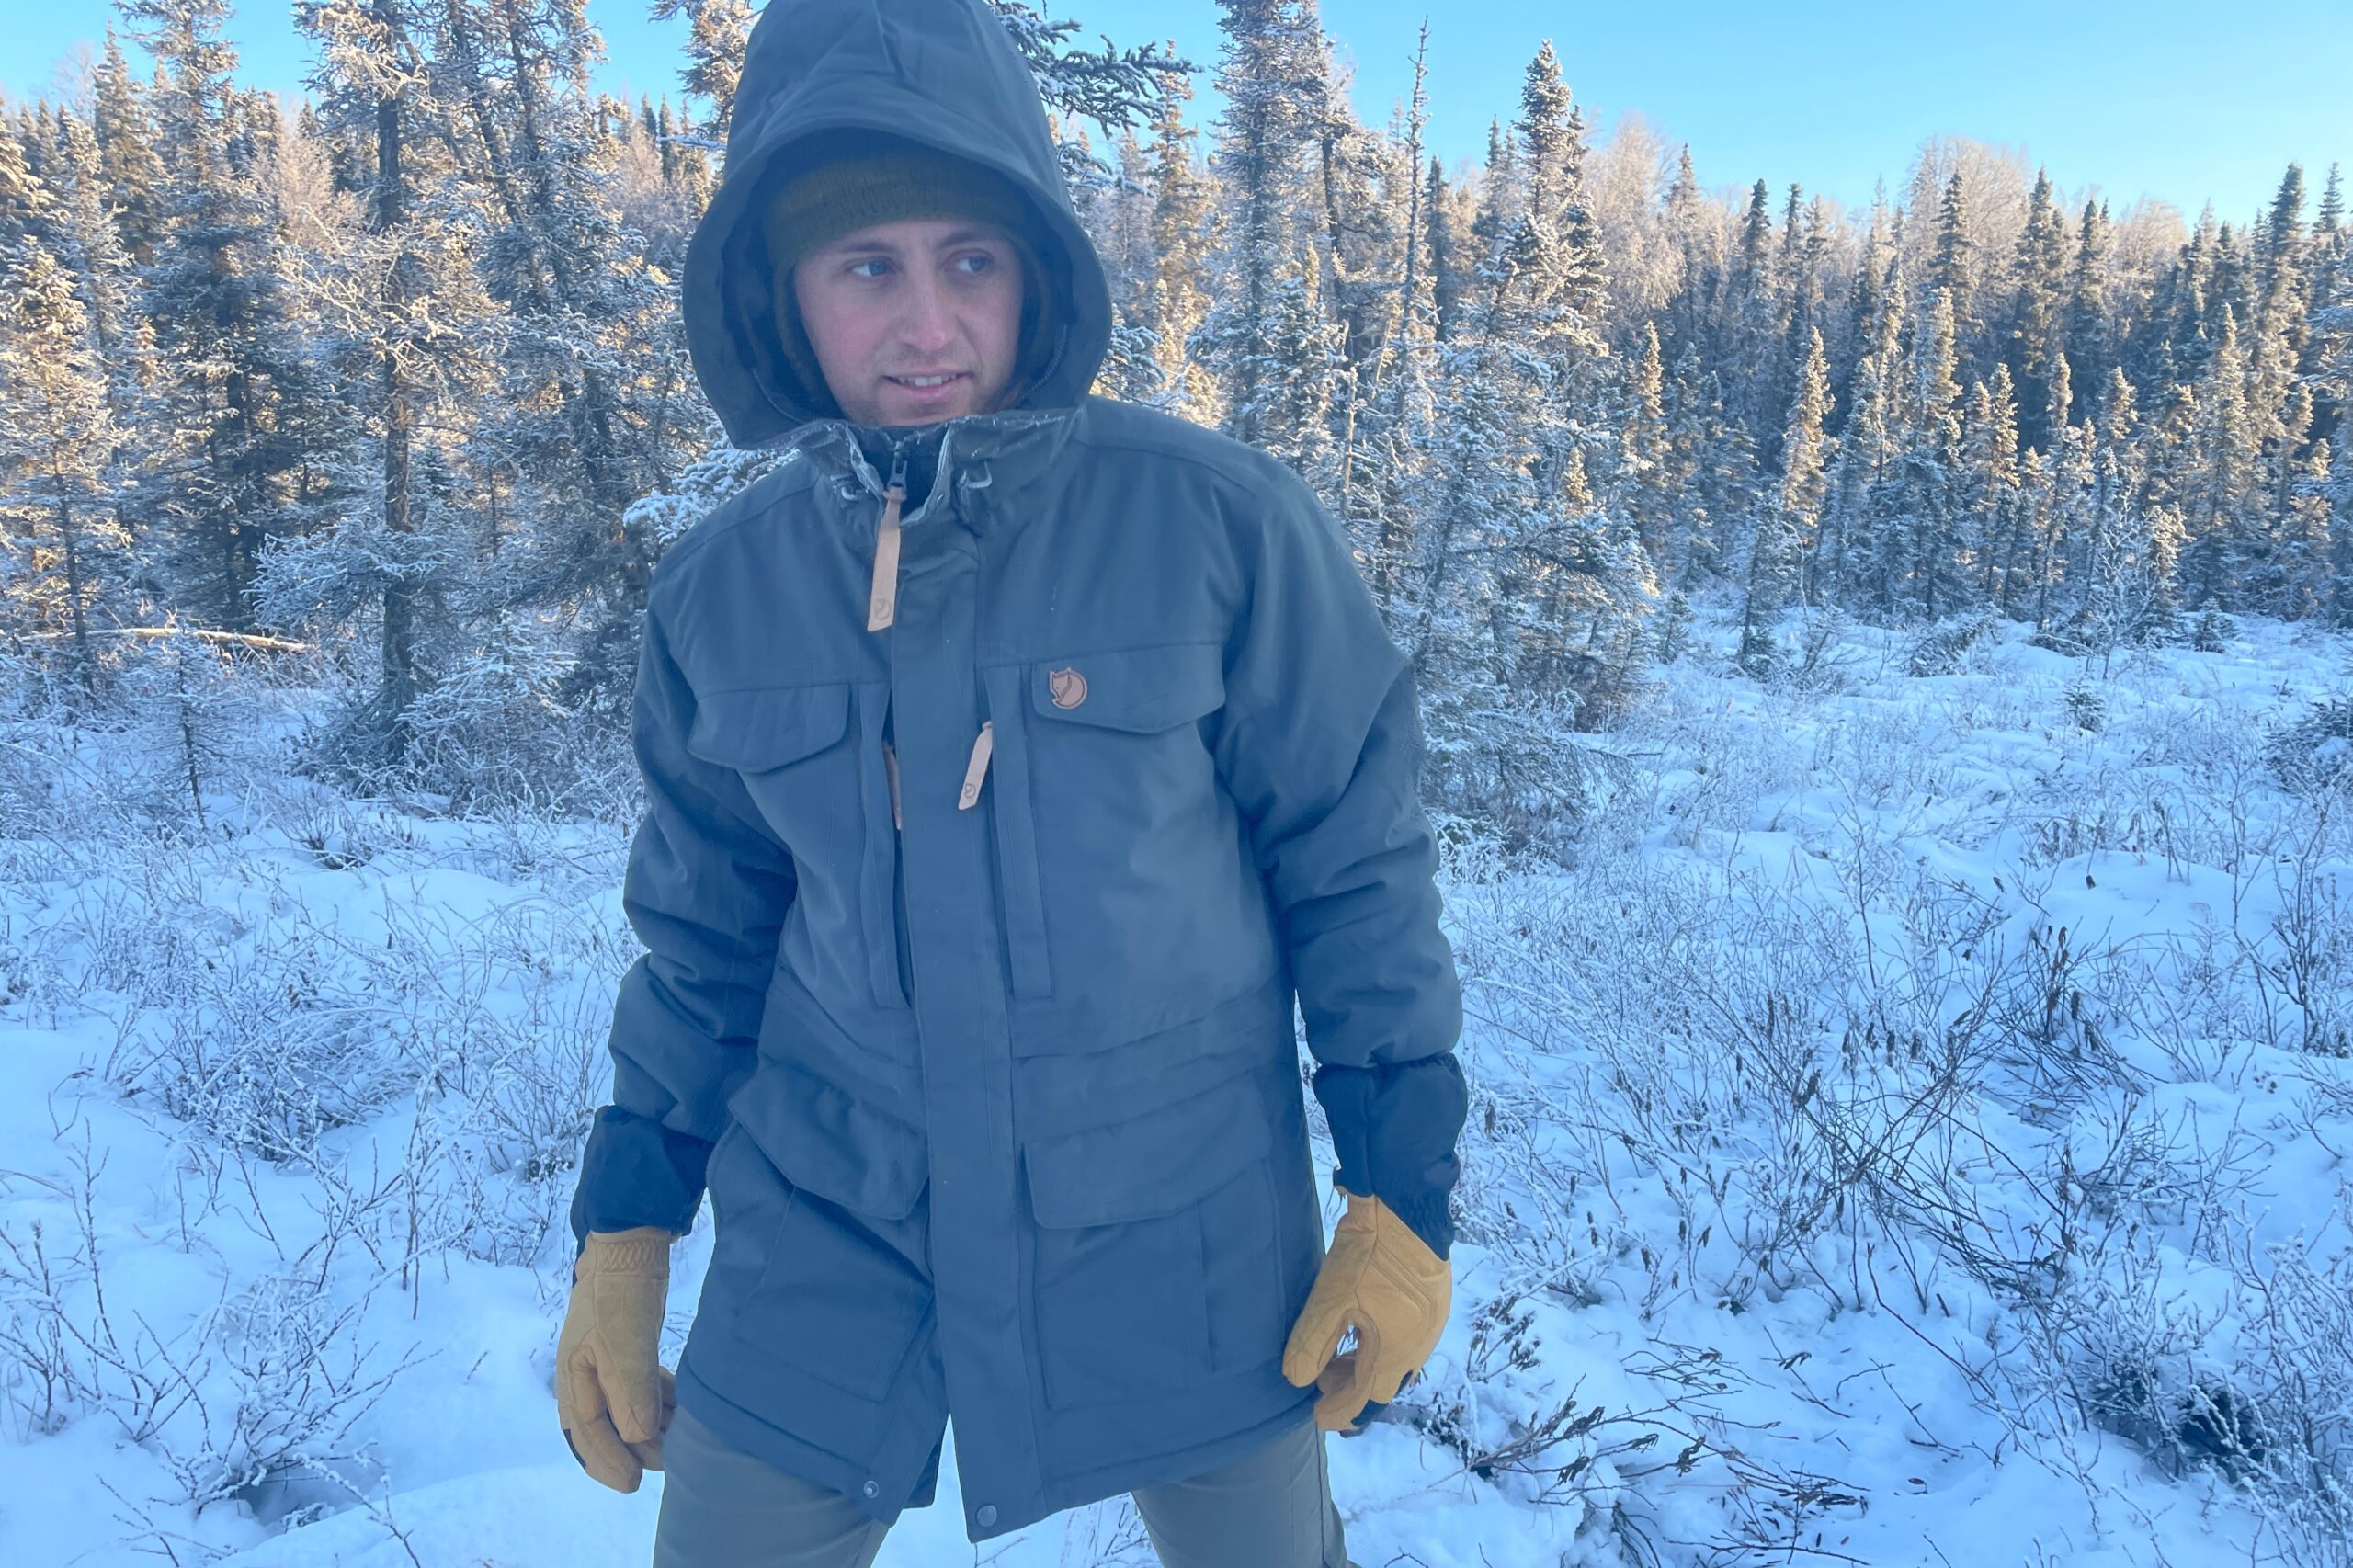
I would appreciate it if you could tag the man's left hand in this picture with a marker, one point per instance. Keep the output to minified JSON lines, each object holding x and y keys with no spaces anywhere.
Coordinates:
{"x":1383,"y":1281}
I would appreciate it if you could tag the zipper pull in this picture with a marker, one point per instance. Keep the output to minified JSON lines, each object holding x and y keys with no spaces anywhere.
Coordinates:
{"x":882,"y":601}
{"x":977,"y":770}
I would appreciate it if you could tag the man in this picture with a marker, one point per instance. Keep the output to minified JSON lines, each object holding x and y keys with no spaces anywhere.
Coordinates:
{"x":1012,"y":760}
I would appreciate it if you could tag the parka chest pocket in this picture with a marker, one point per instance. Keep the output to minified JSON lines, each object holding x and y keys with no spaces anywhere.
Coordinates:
{"x":1138,"y":691}
{"x":810,"y":759}
{"x":1112,"y":789}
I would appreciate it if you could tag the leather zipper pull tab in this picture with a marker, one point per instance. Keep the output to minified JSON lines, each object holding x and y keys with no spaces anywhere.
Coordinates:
{"x":978,"y":768}
{"x":882,"y":601}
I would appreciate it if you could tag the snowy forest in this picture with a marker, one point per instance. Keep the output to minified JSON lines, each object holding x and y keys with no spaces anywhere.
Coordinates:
{"x":1889,"y":708}
{"x":402,"y":372}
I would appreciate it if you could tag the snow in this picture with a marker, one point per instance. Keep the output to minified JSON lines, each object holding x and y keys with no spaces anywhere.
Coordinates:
{"x":1812,"y":1229}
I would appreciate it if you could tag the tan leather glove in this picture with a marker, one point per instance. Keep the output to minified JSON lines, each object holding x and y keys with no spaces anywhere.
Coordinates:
{"x":1382,"y":1280}
{"x":613,"y":1398}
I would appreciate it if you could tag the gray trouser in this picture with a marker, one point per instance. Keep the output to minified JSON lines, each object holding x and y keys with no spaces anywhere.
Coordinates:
{"x":725,"y":1509}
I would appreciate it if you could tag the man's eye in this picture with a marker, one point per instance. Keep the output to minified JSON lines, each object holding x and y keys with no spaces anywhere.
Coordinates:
{"x":976,"y":262}
{"x":859,"y":269}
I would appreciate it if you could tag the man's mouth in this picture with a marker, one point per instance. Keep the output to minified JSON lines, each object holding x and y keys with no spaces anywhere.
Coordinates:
{"x":924,"y":383}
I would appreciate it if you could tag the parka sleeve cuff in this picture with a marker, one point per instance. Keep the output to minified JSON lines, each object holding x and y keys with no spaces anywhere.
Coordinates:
{"x":1393,"y":1127}
{"x":636,"y":1172}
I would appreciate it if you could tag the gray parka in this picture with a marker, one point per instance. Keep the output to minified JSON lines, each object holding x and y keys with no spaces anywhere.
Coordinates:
{"x":996,"y":1094}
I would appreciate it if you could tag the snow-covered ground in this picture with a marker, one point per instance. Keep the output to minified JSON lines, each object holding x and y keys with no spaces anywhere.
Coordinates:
{"x":1910,"y":1132}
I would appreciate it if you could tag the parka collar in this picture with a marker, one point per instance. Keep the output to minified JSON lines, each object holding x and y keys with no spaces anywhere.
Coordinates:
{"x":1008,"y":454}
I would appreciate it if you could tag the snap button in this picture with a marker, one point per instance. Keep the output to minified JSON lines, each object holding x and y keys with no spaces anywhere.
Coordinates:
{"x":987,"y":1516}
{"x":873,"y":1489}
{"x":1068,"y":687}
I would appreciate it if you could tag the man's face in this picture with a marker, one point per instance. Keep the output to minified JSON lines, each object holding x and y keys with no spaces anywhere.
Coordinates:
{"x":914,"y":322}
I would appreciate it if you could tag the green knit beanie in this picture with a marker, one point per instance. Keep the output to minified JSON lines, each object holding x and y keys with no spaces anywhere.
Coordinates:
{"x":843,"y":195}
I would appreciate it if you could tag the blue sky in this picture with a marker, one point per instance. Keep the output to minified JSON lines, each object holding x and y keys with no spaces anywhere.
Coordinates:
{"x":2152,"y":97}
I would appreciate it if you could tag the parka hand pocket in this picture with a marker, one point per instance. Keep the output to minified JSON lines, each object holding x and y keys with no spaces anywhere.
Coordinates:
{"x":816,"y":1261}
{"x":1154,"y":1262}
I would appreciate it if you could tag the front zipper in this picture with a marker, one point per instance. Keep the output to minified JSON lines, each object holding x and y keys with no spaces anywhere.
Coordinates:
{"x":1002,"y":754}
{"x":899,"y":938}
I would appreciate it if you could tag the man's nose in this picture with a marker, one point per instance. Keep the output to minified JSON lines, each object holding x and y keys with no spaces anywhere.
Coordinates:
{"x":926,"y":324}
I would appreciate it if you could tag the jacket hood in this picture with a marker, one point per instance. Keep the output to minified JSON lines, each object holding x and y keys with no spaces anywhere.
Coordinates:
{"x":820,"y":78}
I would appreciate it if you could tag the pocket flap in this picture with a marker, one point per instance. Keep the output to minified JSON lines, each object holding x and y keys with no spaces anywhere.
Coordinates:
{"x":1160,"y":1163}
{"x":828,"y":1141}
{"x":1140,"y":689}
{"x":768,"y":726}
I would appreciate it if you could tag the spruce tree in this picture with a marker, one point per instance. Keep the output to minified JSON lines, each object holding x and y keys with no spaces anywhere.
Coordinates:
{"x":2038,"y":317}
{"x":2331,"y":347}
{"x":1446,"y":253}
{"x":1360,"y":185}
{"x":1392,"y":403}
{"x":1183,"y":228}
{"x":1475,"y":491}
{"x":1500,"y":202}
{"x":1685,"y":222}
{"x":1931,"y":556}
{"x":1990,"y":457}
{"x":1953,"y":271}
{"x":56,"y":438}
{"x":2306,"y":548}
{"x":403,"y":315}
{"x":2231,"y":289}
{"x":2340,"y":531}
{"x":1786,"y":529}
{"x":1749,"y":327}
{"x":2122,"y":585}
{"x":2175,"y":347}
{"x":1557,"y":252}
{"x":243,"y":413}
{"x":1862,"y":544}
{"x":2072,"y":479}
{"x":1273,"y":74}
{"x":1803,"y":265}
{"x":717,"y":32}
{"x":1116,"y":214}
{"x":2225,"y":537}
{"x":134,"y":174}
{"x":1806,"y":453}
{"x":89,"y":247}
{"x":2280,"y":399}
{"x":2035,"y":524}
{"x":1542,"y":319}
{"x":2174,"y":485}
{"x":592,"y":360}
{"x":24,"y":201}
{"x":2089,"y":333}
{"x":1647,"y":492}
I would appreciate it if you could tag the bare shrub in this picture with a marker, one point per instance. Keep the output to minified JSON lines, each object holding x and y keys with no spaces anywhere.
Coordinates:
{"x":271,"y":1377}
{"x":270,"y":1046}
{"x":1937,"y":651}
{"x":2315,"y":751}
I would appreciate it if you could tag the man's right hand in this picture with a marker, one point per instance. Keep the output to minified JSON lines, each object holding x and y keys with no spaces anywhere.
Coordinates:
{"x":613,"y":1397}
